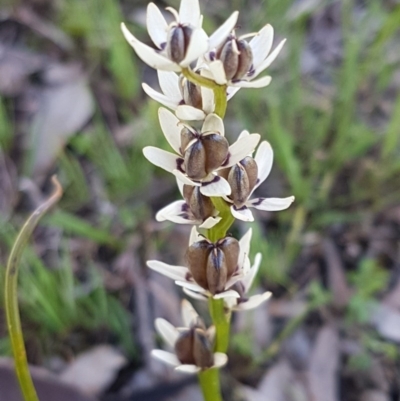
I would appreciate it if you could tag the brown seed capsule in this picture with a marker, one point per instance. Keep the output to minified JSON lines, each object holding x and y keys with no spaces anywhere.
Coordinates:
{"x":229,"y":55}
{"x":201,"y":206}
{"x":231,"y":248}
{"x":245,"y":59}
{"x":178,"y":42}
{"x":217,"y":271}
{"x":251,"y":168}
{"x":196,"y":258}
{"x":195,"y":161}
{"x":217,"y":149}
{"x":237,"y":57}
{"x":202,"y":350}
{"x":239,"y":183}
{"x":205,"y":155}
{"x":242,"y":178}
{"x":212,"y":265}
{"x":184,"y":347}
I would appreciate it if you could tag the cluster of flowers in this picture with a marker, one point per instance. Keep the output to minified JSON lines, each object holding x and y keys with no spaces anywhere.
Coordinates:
{"x":206,"y":166}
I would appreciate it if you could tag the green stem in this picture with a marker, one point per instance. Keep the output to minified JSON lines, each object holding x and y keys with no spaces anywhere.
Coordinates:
{"x":221,"y":319}
{"x":11,"y":298}
{"x":209,"y":383}
{"x":209,"y":379}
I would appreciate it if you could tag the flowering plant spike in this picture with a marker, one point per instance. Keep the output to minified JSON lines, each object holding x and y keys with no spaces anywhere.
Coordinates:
{"x":198,"y":74}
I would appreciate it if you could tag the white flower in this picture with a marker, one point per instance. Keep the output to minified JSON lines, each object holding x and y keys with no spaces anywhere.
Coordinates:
{"x":243,"y":285}
{"x":179,"y":43}
{"x":181,"y":212}
{"x":263,"y":159}
{"x":172,"y":96}
{"x":202,"y":350}
{"x":197,"y":164}
{"x":260,"y":47}
{"x":184,"y":278}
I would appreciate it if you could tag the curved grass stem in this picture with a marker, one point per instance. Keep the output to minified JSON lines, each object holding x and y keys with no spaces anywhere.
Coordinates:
{"x":11,"y":296}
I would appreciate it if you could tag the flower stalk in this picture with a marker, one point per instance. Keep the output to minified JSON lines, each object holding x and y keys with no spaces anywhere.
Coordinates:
{"x":216,"y":180}
{"x":11,"y":295}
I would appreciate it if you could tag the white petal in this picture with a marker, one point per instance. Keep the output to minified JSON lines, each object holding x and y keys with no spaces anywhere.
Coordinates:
{"x":158,"y":97}
{"x":171,"y":271}
{"x":257,"y":83}
{"x":198,"y":46}
{"x":231,"y":91}
{"x":148,"y":54}
{"x":271,"y":204}
{"x":156,"y":25}
{"x":219,"y":36}
{"x":167,"y":331}
{"x":261,"y":45}
{"x":218,"y":72}
{"x":220,"y":360}
{"x":233,"y":280}
{"x":169,"y":84}
{"x":249,"y":277}
{"x":189,"y":113}
{"x":213,"y":123}
{"x":244,"y":247}
{"x":184,"y":178}
{"x":189,"y":12}
{"x":211,"y":332}
{"x":268,"y":61}
{"x":195,"y":295}
{"x":191,"y":369}
{"x":207,"y":96}
{"x":161,"y":158}
{"x":180,"y":185}
{"x":252,"y":302}
{"x":194,"y":236}
{"x":171,"y":128}
{"x":166,"y":357}
{"x":189,"y":314}
{"x":192,"y":286}
{"x":227,"y":294}
{"x":177,"y":212}
{"x":210,"y":222}
{"x":264,"y":158}
{"x":217,"y":187}
{"x":244,"y":134}
{"x":243,"y":213}
{"x":242,"y":148}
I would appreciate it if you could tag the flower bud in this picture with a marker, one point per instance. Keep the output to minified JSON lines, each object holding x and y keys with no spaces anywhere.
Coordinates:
{"x":212,"y":265}
{"x":201,"y":206}
{"x":242,"y":178}
{"x":178,"y":41}
{"x":191,"y":93}
{"x":205,"y":155}
{"x":237,"y":57}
